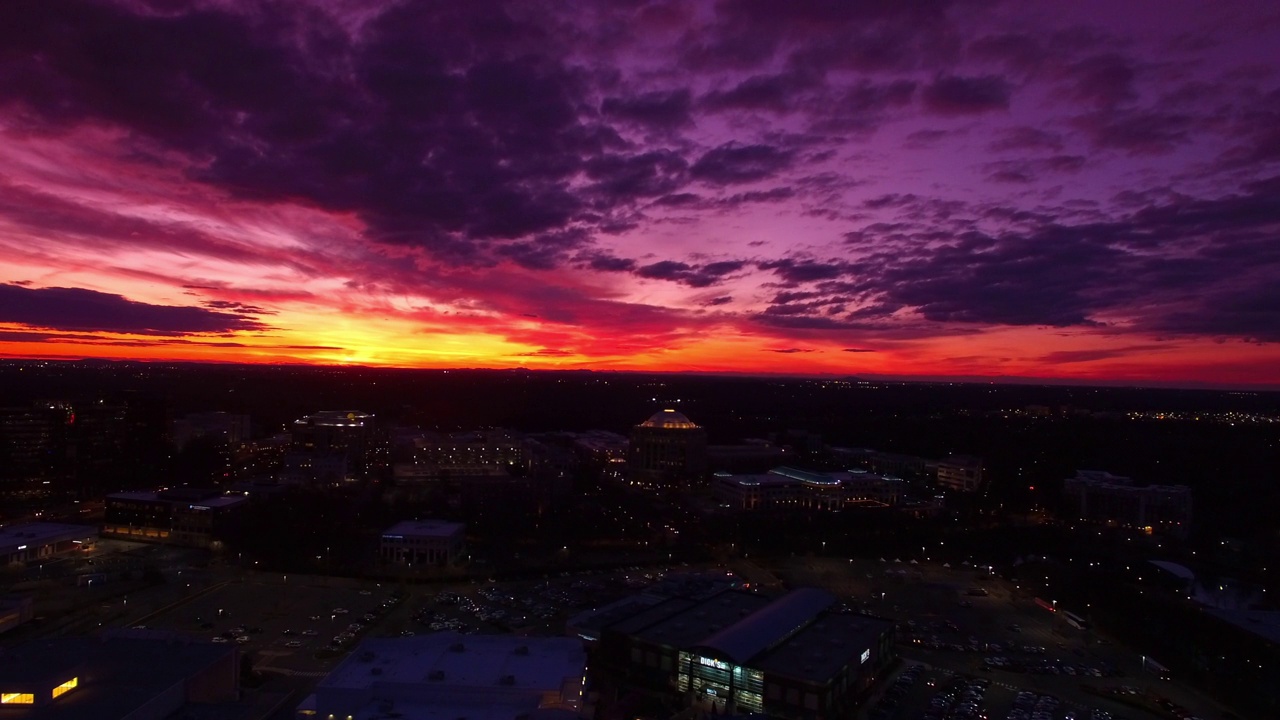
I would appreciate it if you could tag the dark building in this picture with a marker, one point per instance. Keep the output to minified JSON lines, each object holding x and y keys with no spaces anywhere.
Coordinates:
{"x":328,"y":439}
{"x":1097,"y":496}
{"x":125,"y":674}
{"x":793,"y":656}
{"x":192,"y":517}
{"x":962,"y":473}
{"x":667,"y":451}
{"x":34,"y":447}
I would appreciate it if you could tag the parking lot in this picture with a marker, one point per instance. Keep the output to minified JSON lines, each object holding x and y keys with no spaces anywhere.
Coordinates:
{"x":957,"y":622}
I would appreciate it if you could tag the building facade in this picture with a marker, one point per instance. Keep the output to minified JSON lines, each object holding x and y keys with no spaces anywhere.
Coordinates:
{"x":191,"y":517}
{"x":960,"y":473}
{"x":668,"y":451}
{"x":1098,"y":496}
{"x":424,"y":543}
{"x":736,"y":652}
{"x":788,"y":488}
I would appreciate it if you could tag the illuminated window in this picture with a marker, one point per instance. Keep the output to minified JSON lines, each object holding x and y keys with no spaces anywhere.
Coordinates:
{"x":17,"y":699}
{"x":66,"y":687}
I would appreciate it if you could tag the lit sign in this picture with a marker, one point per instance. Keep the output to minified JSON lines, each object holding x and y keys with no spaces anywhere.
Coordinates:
{"x":197,"y":507}
{"x":713,"y":663}
{"x":392,"y":537}
{"x":22,"y":547}
{"x":866,"y":655}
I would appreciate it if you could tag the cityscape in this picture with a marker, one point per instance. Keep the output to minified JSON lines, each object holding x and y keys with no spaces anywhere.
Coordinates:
{"x":652,"y":360}
{"x":188,"y":540}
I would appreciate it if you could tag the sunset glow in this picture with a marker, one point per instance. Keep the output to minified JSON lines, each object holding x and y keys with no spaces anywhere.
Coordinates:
{"x":1085,"y":191}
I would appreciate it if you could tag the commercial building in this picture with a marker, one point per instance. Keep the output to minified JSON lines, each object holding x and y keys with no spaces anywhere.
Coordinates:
{"x":424,"y":543}
{"x":793,"y":656}
{"x":668,"y":451}
{"x":444,"y":676}
{"x":1098,"y":496}
{"x":220,"y":428}
{"x":329,"y":434}
{"x":15,"y":610}
{"x":789,"y":488}
{"x":961,"y":473}
{"x":136,"y":675}
{"x":749,"y":457}
{"x":192,"y":517}
{"x":37,"y":541}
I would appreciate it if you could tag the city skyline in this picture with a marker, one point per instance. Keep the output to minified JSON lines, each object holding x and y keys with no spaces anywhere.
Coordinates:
{"x":1085,"y":193}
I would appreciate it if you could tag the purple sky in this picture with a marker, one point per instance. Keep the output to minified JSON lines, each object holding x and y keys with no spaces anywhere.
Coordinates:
{"x":1085,"y":190}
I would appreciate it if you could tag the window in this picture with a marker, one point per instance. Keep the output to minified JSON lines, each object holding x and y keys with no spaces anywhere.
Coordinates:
{"x":17,"y":699}
{"x":66,"y":687}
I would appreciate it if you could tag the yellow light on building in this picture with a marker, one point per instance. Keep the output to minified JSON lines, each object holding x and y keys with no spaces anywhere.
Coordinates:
{"x":17,"y":699}
{"x":66,"y":687}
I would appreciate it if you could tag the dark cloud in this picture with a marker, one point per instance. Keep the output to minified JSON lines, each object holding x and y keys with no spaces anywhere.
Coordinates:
{"x":1027,"y":138}
{"x":609,"y":263}
{"x":546,"y":352}
{"x":1066,"y":357}
{"x":859,"y":350}
{"x":1025,"y":171}
{"x":1138,"y":132}
{"x":662,"y":109}
{"x":691,"y":275}
{"x":802,"y":271}
{"x":717,"y":301}
{"x":958,"y":95}
{"x":1103,"y":80}
{"x":774,"y":93}
{"x":790,"y":351}
{"x":79,"y":310}
{"x":624,"y":177}
{"x":733,"y":163}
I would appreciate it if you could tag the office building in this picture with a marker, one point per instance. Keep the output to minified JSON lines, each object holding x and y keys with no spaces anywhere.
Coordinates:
{"x":668,"y":451}
{"x":424,"y":543}
{"x":330,"y":434}
{"x":737,"y":652}
{"x":219,"y":428}
{"x":960,"y":473}
{"x":191,"y":517}
{"x":752,"y":456}
{"x":125,"y":674}
{"x":30,"y":542}
{"x":788,"y":488}
{"x":1098,"y":496}
{"x":445,"y":676}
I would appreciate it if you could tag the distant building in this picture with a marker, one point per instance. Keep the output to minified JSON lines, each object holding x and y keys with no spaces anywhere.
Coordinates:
{"x":667,"y":451}
{"x":738,"y":652}
{"x":124,"y":674}
{"x":222,"y":428}
{"x":449,"y":675}
{"x":14,"y":611}
{"x":38,"y":541}
{"x":750,"y":456}
{"x":1098,"y":496}
{"x":501,"y":448}
{"x":961,"y":473}
{"x":789,"y":488}
{"x":35,"y":444}
{"x":329,"y":434}
{"x":192,"y":517}
{"x":424,"y":543}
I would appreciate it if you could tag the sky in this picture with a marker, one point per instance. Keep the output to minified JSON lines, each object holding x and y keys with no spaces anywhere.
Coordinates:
{"x":1084,"y":191}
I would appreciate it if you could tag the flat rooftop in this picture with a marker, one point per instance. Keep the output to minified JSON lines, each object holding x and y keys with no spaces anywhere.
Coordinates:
{"x":425,"y":528}
{"x":451,"y":661}
{"x":13,"y":536}
{"x":818,"y":651}
{"x":703,"y":619}
{"x":215,"y":501}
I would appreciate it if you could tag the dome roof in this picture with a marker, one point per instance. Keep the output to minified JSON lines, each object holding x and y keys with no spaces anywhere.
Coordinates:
{"x":669,"y":419}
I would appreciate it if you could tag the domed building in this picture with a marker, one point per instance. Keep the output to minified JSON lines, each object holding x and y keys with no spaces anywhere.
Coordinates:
{"x":667,"y":451}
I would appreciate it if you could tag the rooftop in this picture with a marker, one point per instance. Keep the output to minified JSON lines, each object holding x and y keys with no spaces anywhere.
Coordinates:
{"x":453,"y":661}
{"x":670,"y":420}
{"x":701,"y":620}
{"x":818,"y":651}
{"x":756,"y":632}
{"x":11,"y":536}
{"x":214,"y":501}
{"x":425,"y":528}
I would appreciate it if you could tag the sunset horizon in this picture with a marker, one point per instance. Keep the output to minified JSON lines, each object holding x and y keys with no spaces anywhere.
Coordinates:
{"x":931,"y":190}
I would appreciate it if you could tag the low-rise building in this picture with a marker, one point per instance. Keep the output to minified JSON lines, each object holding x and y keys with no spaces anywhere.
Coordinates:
{"x":424,"y":543}
{"x":785,"y":487}
{"x":1099,"y":496}
{"x":127,"y":674}
{"x":39,"y":540}
{"x":192,"y":517}
{"x":961,"y":473}
{"x":449,"y":675}
{"x":793,"y":656}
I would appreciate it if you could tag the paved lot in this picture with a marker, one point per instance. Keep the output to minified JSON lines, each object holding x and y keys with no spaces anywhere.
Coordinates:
{"x":930,"y":601}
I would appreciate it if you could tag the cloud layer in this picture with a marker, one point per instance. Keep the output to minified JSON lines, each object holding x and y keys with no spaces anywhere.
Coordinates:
{"x":896,"y":187}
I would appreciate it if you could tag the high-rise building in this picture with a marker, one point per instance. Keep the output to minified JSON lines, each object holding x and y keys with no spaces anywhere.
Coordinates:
{"x":667,"y":451}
